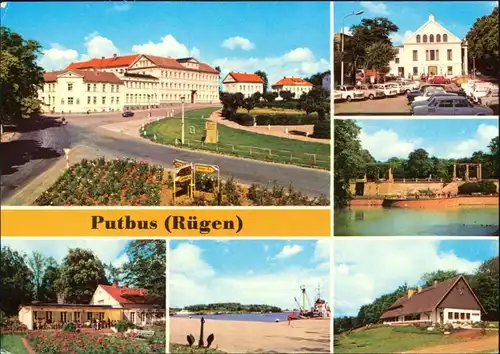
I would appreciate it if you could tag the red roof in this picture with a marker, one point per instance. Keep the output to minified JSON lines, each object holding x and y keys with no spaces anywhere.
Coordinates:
{"x":246,"y":77}
{"x":106,"y":63}
{"x":292,"y":81}
{"x":172,"y":63}
{"x":126,"y":295}
{"x":88,"y":76}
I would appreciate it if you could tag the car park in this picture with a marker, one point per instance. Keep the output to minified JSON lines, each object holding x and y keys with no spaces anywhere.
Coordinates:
{"x":423,"y":100}
{"x":450,"y":106}
{"x":371,"y":92}
{"x":349,"y":93}
{"x":389,"y":89}
{"x":422,"y":90}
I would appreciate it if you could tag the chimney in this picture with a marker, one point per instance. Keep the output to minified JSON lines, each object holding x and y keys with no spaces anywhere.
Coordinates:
{"x":125,"y":285}
{"x":115,"y":284}
{"x":411,"y":292}
{"x":435,"y":283}
{"x":419,"y":289}
{"x":114,"y":55}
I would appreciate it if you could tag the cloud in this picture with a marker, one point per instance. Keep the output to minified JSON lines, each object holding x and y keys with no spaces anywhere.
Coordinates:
{"x":366,"y":269}
{"x":167,"y":47}
{"x":194,"y":281}
{"x":238,"y":42}
{"x":376,"y":8}
{"x":384,"y":144}
{"x":57,"y":57}
{"x":106,"y":250}
{"x":3,"y":4}
{"x":99,"y":46}
{"x":121,"y":7}
{"x":480,"y":141}
{"x":289,"y":251}
{"x":398,"y":38}
{"x":299,"y":62}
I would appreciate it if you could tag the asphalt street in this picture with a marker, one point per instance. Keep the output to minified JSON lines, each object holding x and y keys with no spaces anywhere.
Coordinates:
{"x":36,"y":150}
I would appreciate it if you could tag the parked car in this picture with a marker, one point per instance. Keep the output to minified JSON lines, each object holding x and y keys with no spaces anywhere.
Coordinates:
{"x":349,"y":93}
{"x":398,"y":86}
{"x":127,"y":114}
{"x":421,"y":90}
{"x":371,"y":92}
{"x":337,"y":96}
{"x":439,"y":80}
{"x":428,"y":93}
{"x":450,"y":106}
{"x":389,"y":89}
{"x":479,"y":91}
{"x":431,"y":94}
{"x":491,"y":97}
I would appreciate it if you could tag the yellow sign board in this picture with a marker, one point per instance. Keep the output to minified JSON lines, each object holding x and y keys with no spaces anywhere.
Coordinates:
{"x":181,"y":179}
{"x":206,"y":168}
{"x":180,"y":163}
{"x":211,"y":134}
{"x":209,"y":125}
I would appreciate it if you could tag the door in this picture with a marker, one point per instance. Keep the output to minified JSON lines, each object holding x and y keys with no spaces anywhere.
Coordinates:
{"x":360,"y":188}
{"x":432,"y":70}
{"x":441,"y":317}
{"x":401,"y":71}
{"x":193,"y":97}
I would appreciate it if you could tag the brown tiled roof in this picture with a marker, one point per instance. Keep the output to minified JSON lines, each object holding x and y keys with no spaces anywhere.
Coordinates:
{"x":126,"y":295}
{"x":246,"y":77}
{"x":424,"y":301}
{"x":292,"y":81}
{"x":88,"y":76}
{"x":106,"y":63}
{"x":171,"y":63}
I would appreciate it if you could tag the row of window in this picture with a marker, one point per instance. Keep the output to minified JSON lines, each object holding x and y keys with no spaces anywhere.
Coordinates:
{"x":47,"y":315}
{"x":296,"y":89}
{"x":431,"y":55}
{"x":449,"y":70}
{"x":114,"y":88}
{"x":431,"y":38}
{"x":459,"y":316}
{"x":172,"y":74}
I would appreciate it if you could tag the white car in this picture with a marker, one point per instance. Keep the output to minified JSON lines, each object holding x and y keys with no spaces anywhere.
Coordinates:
{"x":399,"y":86}
{"x":428,"y":93}
{"x":471,"y":84}
{"x":389,"y":89}
{"x":479,"y":91}
{"x":491,"y":98}
{"x":349,"y":93}
{"x":450,"y":106}
{"x":433,"y":94}
{"x":337,"y":96}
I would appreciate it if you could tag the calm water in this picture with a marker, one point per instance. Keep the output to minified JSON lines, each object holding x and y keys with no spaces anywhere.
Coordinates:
{"x":257,"y":317}
{"x":378,"y":221}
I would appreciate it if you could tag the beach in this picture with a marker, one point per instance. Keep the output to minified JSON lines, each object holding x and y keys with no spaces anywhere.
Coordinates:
{"x":253,"y":337}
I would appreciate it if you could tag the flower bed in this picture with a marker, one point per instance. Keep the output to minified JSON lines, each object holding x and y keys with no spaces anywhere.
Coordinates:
{"x":106,"y":182}
{"x":89,"y":343}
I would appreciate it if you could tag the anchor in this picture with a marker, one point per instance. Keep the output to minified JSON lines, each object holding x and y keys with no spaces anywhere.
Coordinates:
{"x":191,"y":339}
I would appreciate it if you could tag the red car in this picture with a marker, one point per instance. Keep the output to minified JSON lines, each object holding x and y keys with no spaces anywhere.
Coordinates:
{"x":439,"y":80}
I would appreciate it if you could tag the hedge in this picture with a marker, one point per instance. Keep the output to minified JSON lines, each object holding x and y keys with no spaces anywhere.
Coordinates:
{"x":242,"y":119}
{"x":285,"y":119}
{"x":483,"y":187}
{"x":293,"y":104}
{"x":322,"y":130}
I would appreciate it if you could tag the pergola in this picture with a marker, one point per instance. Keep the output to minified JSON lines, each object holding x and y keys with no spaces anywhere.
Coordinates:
{"x":479,"y":170}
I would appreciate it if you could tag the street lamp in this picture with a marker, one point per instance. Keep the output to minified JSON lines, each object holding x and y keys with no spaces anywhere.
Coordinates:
{"x":182,"y":119}
{"x":354,"y":13}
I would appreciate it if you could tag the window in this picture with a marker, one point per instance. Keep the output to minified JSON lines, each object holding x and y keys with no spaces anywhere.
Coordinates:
{"x":35,"y":314}
{"x":456,"y":315}
{"x":101,"y":316}
{"x":95,"y":87}
{"x":426,"y":55}
{"x":462,"y":315}
{"x":112,"y":100}
{"x":396,"y":60}
{"x":104,"y":100}
{"x":48,"y":315}
{"x":431,"y":38}
{"x":117,"y":88}
{"x":449,"y":54}
{"x":461,"y":103}
{"x":70,"y":100}
{"x":437,"y":54}
{"x":415,"y":55}
{"x":446,"y":104}
{"x":76,"y":316}
{"x":468,"y":315}
{"x":62,"y":100}
{"x":445,"y":38}
{"x":88,"y":100}
{"x":425,"y":38}
{"x":415,"y":70}
{"x":117,"y":100}
{"x":89,"y":316}
{"x":112,"y":88}
{"x":438,"y":38}
{"x":103,"y":87}
{"x":132,"y":317}
{"x":77,"y":101}
{"x":95,"y":100}
{"x":450,"y":70}
{"x":64,"y":316}
{"x":432,"y":55}
{"x":450,"y":315}
{"x":88,"y":87}
{"x":70,"y":87}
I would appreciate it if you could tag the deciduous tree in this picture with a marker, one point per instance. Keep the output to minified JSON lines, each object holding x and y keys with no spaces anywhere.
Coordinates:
{"x":16,"y":278}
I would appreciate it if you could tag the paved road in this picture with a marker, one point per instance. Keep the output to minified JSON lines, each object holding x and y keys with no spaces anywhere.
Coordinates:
{"x":382,"y":106}
{"x":86,"y":130}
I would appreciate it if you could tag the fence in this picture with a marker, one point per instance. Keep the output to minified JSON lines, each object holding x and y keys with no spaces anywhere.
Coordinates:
{"x":254,"y":152}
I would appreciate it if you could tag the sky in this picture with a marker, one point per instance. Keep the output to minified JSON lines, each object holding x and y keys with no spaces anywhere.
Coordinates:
{"x":108,"y":251}
{"x":410,"y":16}
{"x":283,"y":39}
{"x":363,"y":272}
{"x":248,"y":271}
{"x":444,"y":138}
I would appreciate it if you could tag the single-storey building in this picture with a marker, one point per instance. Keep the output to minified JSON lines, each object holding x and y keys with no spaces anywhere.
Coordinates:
{"x":449,"y":301}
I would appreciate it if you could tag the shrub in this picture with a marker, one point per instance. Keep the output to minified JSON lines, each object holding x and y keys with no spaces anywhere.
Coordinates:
{"x":243,"y":119}
{"x":291,"y":104}
{"x":69,"y":327}
{"x":322,"y":130}
{"x":122,"y":326}
{"x":483,"y":187}
{"x":284,"y":119}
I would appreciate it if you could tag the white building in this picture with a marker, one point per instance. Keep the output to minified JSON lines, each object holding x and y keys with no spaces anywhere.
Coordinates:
{"x":295,"y":85}
{"x":246,"y":83}
{"x":450,"y":301}
{"x":430,"y":50}
{"x":326,"y":83}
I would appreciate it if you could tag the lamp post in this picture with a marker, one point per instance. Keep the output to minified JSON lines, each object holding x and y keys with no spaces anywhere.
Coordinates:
{"x":182,"y":119}
{"x":354,"y":13}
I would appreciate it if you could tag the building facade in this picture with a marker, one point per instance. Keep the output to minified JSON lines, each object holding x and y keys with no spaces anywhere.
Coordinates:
{"x":295,"y":85}
{"x":246,"y":83}
{"x":145,"y":81}
{"x":326,"y":82}
{"x":430,"y":50}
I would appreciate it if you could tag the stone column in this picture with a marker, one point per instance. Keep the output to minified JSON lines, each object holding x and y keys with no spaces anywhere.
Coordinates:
{"x":454,"y":171}
{"x":467,"y":172}
{"x":391,"y":177}
{"x":480,"y":172}
{"x":465,"y":62}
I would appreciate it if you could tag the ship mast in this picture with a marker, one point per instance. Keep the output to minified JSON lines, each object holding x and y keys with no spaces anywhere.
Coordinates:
{"x":303,"y":289}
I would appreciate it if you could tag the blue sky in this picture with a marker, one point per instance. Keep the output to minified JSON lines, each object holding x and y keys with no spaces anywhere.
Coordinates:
{"x":409,"y":16}
{"x":361,"y":274}
{"x":247,"y":271}
{"x":262,"y":35}
{"x":445,"y":138}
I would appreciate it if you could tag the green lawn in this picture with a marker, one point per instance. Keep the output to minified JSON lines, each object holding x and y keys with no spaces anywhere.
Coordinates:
{"x":13,"y":343}
{"x":389,"y":340}
{"x":181,"y":348}
{"x":241,"y":143}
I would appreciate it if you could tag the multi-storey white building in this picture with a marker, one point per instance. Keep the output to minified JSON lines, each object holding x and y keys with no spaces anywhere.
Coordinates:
{"x":430,"y":50}
{"x":246,"y":83}
{"x":326,"y":81}
{"x":295,"y":85}
{"x":146,"y":81}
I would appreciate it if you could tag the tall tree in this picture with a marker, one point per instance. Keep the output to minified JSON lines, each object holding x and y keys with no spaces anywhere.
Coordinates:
{"x":440,"y":275}
{"x":49,"y":281}
{"x":482,"y":41}
{"x":317,"y":79}
{"x":20,"y":76}
{"x":16,"y":278}
{"x":263,"y":76}
{"x":377,"y":57}
{"x":79,"y":275}
{"x":485,"y":286}
{"x":113,"y":273}
{"x":419,"y":164}
{"x":37,"y":262}
{"x":147,"y":268}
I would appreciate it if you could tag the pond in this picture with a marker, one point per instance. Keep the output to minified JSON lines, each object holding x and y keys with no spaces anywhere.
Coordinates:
{"x":379,"y":221}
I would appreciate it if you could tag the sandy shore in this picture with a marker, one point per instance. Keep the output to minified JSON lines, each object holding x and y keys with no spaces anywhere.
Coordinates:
{"x":247,"y":337}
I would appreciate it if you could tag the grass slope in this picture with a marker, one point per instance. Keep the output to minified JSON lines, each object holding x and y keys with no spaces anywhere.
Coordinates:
{"x":13,"y":343}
